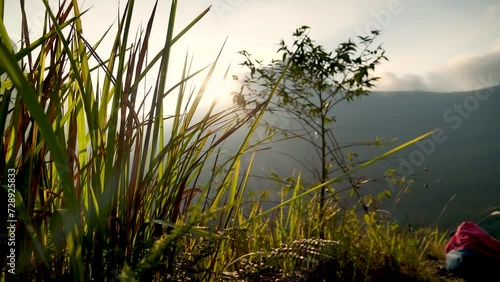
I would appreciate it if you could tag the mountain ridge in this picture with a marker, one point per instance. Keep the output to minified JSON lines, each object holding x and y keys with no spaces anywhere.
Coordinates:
{"x":463,"y":168}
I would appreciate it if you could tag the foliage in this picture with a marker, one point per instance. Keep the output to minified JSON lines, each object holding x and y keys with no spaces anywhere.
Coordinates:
{"x":313,"y":85}
{"x":102,"y":168}
{"x":359,"y":246}
{"x":110,"y":184}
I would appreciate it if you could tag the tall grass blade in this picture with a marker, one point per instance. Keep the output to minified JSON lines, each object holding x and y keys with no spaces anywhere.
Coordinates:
{"x":338,"y":178}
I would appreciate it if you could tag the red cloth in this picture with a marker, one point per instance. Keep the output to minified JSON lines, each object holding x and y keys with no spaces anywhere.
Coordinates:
{"x":470,"y":236}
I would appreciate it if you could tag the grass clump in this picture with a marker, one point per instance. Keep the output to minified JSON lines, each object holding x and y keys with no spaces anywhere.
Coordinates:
{"x":113,"y":184}
{"x":359,"y":246}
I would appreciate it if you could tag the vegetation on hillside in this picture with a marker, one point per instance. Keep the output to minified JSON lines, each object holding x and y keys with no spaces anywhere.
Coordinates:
{"x":102,"y":189}
{"x":313,"y":86}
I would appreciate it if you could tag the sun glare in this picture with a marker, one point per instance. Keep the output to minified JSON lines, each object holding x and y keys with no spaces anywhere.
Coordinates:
{"x":219,"y":91}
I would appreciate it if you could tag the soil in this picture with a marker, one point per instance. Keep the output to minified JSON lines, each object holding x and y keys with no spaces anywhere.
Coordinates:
{"x":437,"y":272}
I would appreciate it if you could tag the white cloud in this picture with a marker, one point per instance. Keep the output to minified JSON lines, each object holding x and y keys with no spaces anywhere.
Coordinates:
{"x":462,"y":73}
{"x":389,"y":82}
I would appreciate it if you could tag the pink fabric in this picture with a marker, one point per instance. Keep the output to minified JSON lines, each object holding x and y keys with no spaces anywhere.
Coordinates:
{"x":471,"y":237}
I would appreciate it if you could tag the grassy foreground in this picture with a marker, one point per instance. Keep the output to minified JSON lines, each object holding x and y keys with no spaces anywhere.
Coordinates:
{"x":106,"y":184}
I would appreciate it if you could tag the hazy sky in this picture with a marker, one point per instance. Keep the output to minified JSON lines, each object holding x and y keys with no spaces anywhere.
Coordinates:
{"x":447,"y":45}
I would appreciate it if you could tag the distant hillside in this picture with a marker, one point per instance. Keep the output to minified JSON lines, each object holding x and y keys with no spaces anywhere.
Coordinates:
{"x":466,"y":164}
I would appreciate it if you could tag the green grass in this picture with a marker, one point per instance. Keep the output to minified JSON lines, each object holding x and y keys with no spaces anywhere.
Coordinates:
{"x":105,"y":190}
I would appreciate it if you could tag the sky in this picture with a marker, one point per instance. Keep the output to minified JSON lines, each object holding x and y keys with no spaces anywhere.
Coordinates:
{"x":445,"y":46}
